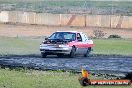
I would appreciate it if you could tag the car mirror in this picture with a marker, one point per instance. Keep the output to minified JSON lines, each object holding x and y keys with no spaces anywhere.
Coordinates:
{"x":46,"y":38}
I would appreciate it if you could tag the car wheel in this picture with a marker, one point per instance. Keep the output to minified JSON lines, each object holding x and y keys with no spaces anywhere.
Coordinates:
{"x":60,"y":55}
{"x":84,"y":81}
{"x":88,"y":52}
{"x":72,"y":53}
{"x":43,"y":55}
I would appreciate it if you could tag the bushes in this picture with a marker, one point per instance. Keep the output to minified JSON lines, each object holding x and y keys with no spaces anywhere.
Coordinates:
{"x":114,"y":36}
{"x":99,"y":34}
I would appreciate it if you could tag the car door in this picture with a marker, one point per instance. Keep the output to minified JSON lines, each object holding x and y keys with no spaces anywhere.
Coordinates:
{"x":79,"y":44}
{"x":86,"y":41}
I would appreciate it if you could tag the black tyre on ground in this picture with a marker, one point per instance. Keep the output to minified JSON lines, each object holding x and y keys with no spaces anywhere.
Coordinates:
{"x":88,"y":52}
{"x":84,"y":81}
{"x":128,"y":76}
{"x":72,"y":53}
{"x":43,"y":55}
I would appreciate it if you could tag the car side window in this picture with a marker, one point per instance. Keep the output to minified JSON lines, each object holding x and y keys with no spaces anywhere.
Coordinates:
{"x":86,"y":38}
{"x":79,"y":38}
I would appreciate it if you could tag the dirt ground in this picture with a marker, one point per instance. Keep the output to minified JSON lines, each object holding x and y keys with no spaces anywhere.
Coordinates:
{"x":21,"y":30}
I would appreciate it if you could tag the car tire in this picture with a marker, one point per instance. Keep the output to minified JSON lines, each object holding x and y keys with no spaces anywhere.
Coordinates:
{"x":43,"y":55}
{"x":84,"y":81}
{"x":87,"y":52}
{"x":72,"y":53}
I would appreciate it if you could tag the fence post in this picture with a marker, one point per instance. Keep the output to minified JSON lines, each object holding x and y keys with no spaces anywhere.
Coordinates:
{"x":85,"y":23}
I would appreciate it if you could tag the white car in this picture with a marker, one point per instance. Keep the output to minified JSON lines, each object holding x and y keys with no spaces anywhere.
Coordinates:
{"x":66,"y":43}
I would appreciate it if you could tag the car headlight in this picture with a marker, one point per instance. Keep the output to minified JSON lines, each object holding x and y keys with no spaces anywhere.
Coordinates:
{"x":43,"y":45}
{"x":63,"y":45}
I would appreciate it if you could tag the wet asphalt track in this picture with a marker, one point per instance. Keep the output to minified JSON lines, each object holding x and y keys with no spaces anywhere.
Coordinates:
{"x":106,"y":64}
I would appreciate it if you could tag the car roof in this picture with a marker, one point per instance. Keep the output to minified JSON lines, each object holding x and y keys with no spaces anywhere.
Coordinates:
{"x":69,"y":31}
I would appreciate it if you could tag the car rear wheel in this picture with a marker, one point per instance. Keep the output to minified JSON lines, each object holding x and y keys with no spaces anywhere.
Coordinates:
{"x":72,"y":53}
{"x":43,"y":55}
{"x":87,"y":52}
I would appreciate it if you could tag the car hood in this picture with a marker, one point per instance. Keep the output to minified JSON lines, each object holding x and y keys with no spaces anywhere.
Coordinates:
{"x":59,"y":41}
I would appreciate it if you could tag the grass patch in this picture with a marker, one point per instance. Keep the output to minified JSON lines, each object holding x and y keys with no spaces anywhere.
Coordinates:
{"x":26,"y":46}
{"x":42,"y":79}
{"x":19,"y":46}
{"x":113,"y":46}
{"x":36,"y":79}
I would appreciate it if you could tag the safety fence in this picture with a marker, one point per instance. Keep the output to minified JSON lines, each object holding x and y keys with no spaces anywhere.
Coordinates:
{"x":81,"y":20}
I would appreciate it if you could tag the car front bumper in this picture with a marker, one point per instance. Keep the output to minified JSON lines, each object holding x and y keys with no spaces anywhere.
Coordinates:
{"x":55,"y":49}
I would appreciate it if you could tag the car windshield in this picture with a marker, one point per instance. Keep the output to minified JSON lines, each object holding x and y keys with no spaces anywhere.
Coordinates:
{"x":63,"y":36}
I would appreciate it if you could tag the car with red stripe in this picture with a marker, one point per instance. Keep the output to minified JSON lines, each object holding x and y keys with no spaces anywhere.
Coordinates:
{"x":69,"y":43}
